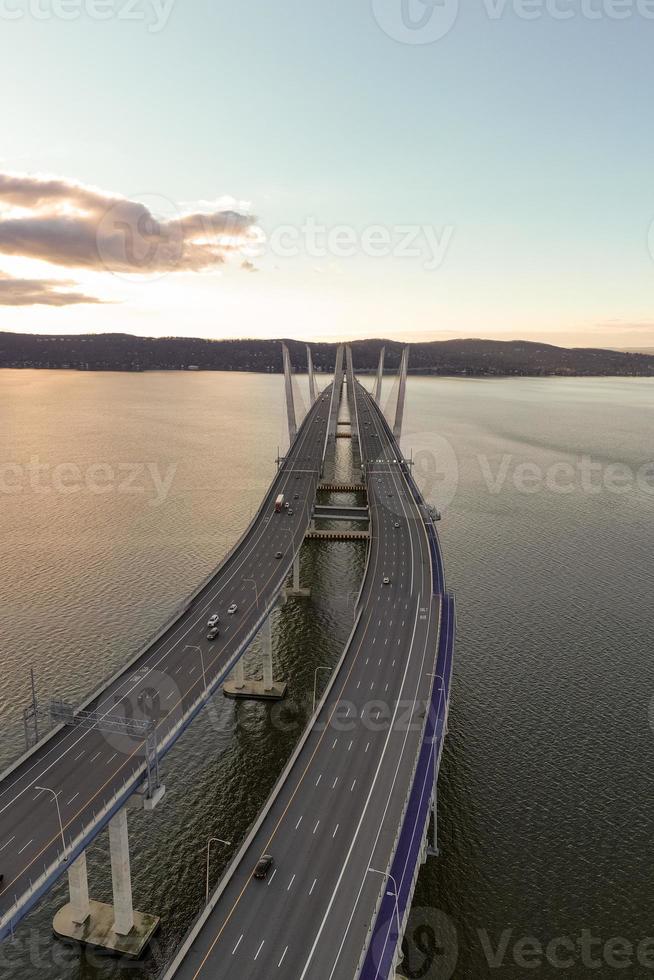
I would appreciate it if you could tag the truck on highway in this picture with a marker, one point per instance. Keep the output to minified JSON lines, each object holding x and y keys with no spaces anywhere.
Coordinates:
{"x":279,"y":503}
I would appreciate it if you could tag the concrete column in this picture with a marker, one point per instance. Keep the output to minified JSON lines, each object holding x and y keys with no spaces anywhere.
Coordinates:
{"x":266,"y":644}
{"x":296,"y":573}
{"x":78,"y":886}
{"x":399,"y":412}
{"x":380,"y":376}
{"x":290,"y":405}
{"x":121,"y":874}
{"x":238,"y":674}
{"x":312,"y":379}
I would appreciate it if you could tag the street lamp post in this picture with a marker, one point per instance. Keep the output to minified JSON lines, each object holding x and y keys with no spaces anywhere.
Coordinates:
{"x":315,"y":681}
{"x":217,"y":840}
{"x":190,"y":646}
{"x":46,"y":789}
{"x":390,"y":877}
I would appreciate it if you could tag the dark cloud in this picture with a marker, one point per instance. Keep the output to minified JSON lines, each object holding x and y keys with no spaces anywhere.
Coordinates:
{"x":75,"y":226}
{"x":43,"y":292}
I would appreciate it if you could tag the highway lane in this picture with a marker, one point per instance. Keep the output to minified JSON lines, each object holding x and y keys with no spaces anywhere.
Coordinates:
{"x":86,"y":767}
{"x":339,"y":809}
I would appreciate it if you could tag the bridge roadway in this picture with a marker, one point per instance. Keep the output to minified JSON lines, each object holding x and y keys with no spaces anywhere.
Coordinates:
{"x":91,"y":770}
{"x":335,"y":812}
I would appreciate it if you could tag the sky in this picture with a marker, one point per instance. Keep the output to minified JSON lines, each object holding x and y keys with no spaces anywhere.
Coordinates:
{"x":415,"y":169}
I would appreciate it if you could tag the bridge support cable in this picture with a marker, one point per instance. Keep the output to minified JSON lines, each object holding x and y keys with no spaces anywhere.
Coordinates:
{"x":380,"y":375}
{"x":312,"y":378}
{"x":401,"y":395}
{"x":290,"y":404}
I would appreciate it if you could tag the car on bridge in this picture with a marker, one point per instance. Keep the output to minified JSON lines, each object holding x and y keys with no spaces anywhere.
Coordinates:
{"x":213,"y":633}
{"x":386,"y":580}
{"x":213,"y":621}
{"x":264,"y":864}
{"x":232,"y":609}
{"x":279,"y":554}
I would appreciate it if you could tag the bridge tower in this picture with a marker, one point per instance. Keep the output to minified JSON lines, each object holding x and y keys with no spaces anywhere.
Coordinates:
{"x":380,"y":375}
{"x":290,"y":405}
{"x":312,"y":378}
{"x":399,"y":412}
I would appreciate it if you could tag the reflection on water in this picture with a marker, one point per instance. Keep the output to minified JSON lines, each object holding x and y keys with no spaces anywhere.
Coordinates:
{"x":545,"y":794}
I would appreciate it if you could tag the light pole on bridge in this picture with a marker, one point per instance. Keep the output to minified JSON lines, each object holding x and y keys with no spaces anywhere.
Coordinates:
{"x":46,"y":789}
{"x":389,"y":877}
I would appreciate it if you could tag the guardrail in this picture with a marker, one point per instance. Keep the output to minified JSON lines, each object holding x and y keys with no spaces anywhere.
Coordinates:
{"x":383,"y":938}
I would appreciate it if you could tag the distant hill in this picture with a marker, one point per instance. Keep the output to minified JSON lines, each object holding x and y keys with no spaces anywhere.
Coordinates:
{"x":122,"y":352}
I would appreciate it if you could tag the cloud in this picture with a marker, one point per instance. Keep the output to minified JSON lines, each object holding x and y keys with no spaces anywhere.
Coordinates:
{"x":78,"y":226}
{"x":43,"y":292}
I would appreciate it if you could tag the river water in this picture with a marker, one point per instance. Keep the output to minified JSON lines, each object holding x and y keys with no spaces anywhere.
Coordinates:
{"x":119,"y":493}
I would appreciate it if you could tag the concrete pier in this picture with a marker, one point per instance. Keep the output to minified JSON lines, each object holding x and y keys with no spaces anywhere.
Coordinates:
{"x":267,"y":689}
{"x":78,"y":885}
{"x":297,"y":592}
{"x":118,"y":928}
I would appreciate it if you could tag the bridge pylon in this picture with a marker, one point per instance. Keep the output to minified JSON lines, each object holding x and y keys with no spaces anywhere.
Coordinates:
{"x":290,"y":404}
{"x":380,"y":376}
{"x":401,"y":396}
{"x":312,"y":378}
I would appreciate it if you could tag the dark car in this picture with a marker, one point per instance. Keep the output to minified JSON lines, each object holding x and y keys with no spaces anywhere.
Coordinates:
{"x":279,"y":554}
{"x":213,"y":633}
{"x":264,"y":865}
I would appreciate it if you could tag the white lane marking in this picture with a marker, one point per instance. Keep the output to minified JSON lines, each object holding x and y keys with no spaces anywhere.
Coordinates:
{"x":237,"y":944}
{"x":260,"y":948}
{"x":78,"y":757}
{"x":367,"y":746}
{"x":282,"y":959}
{"x":8,"y":843}
{"x":353,"y":785}
{"x":112,"y":758}
{"x":335,"y":830}
{"x":72,"y":799}
{"x":316,"y":827}
{"x":96,"y":756}
{"x":350,"y":745}
{"x":334,"y":783}
{"x":26,"y":846}
{"x":334,"y":745}
{"x":299,"y":822}
{"x":271,"y":877}
{"x":313,"y":886}
{"x":318,"y":779}
{"x":290,"y":883}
